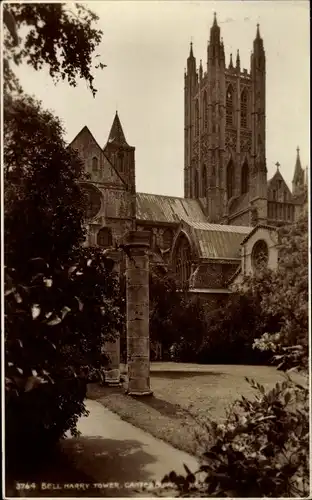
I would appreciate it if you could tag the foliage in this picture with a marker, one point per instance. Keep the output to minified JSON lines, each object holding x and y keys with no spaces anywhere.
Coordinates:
{"x":62,"y":300}
{"x":43,"y":201}
{"x":56,"y":322}
{"x":57,"y":35}
{"x":232,"y":330}
{"x":177,"y":320}
{"x":284,"y":293}
{"x":260,"y":450}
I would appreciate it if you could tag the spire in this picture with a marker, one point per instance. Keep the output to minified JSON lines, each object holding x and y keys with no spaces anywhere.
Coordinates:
{"x":238,"y":61}
{"x":258,"y":42}
{"x":191,"y":50}
{"x":231,"y":62}
{"x":215,"y":30}
{"x":116,"y":134}
{"x":299,"y":172}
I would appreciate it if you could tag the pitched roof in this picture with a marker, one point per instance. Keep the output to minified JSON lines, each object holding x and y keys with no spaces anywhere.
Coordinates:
{"x":216,"y":241}
{"x":159,"y":208}
{"x":116,"y":135}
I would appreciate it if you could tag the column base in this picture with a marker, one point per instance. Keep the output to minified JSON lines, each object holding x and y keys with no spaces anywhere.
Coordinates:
{"x":112,"y":377}
{"x":139,"y":393}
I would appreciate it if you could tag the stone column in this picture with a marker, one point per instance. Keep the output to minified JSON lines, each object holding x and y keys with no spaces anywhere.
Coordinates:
{"x":138,"y":342}
{"x":112,"y":349}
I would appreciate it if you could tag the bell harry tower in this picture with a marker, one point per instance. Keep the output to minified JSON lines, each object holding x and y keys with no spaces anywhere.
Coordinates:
{"x":224,"y":127}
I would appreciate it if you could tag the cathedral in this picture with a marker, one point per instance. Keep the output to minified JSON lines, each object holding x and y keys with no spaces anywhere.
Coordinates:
{"x":230,"y":210}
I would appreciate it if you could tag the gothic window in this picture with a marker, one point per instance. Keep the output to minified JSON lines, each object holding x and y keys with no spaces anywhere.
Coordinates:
{"x":196,"y":185}
{"x":260,"y":255}
{"x":274,"y":194}
{"x":121,"y":161}
{"x":245,"y":178}
{"x":230,"y":180}
{"x":205,"y":105}
{"x":213,"y":176}
{"x":95,"y":164}
{"x":93,"y":200}
{"x":167,"y":239}
{"x":244,"y":100}
{"x":183,"y":260}
{"x":229,"y":106}
{"x":104,"y":237}
{"x":204,"y":181}
{"x":196,"y":118}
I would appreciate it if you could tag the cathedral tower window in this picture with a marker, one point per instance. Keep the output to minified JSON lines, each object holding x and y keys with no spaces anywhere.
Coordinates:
{"x":121,"y":161}
{"x":104,"y":237}
{"x":245,"y":178}
{"x":183,"y":260}
{"x":196,"y":185}
{"x":95,"y":164}
{"x":230,"y":180}
{"x":205,"y":106}
{"x":196,"y":118}
{"x":229,"y":106}
{"x":204,"y":181}
{"x":244,"y":100}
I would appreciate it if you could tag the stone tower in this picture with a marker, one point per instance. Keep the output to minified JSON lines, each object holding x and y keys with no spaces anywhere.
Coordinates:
{"x":224,"y":117}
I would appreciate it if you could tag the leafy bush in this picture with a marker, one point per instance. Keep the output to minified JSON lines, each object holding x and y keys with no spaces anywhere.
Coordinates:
{"x":260,"y":450}
{"x":232,"y":330}
{"x":56,"y":322}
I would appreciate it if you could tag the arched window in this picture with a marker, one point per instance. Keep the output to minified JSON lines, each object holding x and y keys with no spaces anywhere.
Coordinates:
{"x":204,"y":181}
{"x":213,"y":176}
{"x":167,"y":239}
{"x":244,"y":101}
{"x":104,"y":237}
{"x":245,"y":178}
{"x":182,"y":260}
{"x":196,"y":185}
{"x":120,"y":157}
{"x":205,"y":106}
{"x":230,"y":180}
{"x":229,"y":106}
{"x":196,"y":118}
{"x":95,"y":164}
{"x":260,"y":255}
{"x":93,"y":200}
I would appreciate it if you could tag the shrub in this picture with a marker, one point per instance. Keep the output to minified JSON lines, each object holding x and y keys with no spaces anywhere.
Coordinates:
{"x":56,"y":322}
{"x":260,"y":450}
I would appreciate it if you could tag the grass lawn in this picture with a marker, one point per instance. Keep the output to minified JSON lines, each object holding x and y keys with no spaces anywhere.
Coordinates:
{"x":181,"y":392}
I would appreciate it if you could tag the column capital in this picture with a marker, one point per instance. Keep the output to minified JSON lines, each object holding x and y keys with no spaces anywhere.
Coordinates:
{"x":138,"y":239}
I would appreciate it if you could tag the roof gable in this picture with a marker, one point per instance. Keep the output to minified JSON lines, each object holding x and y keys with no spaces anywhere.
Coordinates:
{"x":88,"y":148}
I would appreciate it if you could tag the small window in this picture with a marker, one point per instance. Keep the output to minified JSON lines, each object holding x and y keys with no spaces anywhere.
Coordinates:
{"x":244,"y":98}
{"x":95,"y":164}
{"x":274,"y":194}
{"x":229,"y":106}
{"x":104,"y":237}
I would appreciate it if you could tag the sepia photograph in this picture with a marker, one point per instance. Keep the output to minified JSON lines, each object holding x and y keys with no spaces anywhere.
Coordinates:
{"x":155,"y":194}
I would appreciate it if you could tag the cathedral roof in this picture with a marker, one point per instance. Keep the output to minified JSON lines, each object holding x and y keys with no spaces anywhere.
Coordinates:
{"x":216,"y":241}
{"x":159,"y":208}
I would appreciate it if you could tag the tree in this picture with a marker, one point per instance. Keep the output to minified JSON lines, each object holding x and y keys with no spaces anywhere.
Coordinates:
{"x":285,"y":293}
{"x":43,"y":201}
{"x":57,"y":35}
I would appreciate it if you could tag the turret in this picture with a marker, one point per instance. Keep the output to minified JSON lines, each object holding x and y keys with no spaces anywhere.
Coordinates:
{"x":299,"y":176}
{"x":259,"y":170}
{"x":238,"y":62}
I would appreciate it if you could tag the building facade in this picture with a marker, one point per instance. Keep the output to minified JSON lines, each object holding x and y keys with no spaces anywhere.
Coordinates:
{"x":229,"y":207}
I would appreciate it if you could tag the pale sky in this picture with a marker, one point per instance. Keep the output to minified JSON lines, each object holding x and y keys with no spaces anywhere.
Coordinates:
{"x":145,"y":46}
